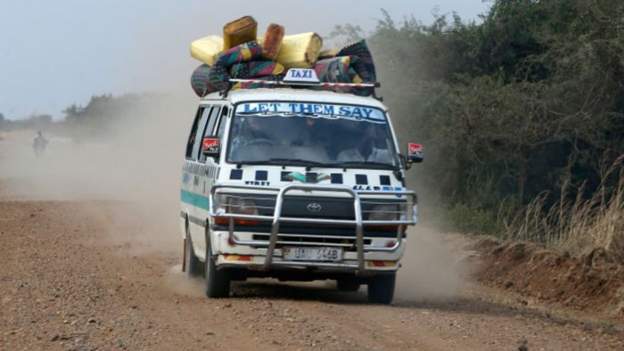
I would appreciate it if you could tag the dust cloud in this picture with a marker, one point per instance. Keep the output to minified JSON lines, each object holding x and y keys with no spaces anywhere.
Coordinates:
{"x":180,"y":284}
{"x":431,"y":270}
{"x":136,"y":167}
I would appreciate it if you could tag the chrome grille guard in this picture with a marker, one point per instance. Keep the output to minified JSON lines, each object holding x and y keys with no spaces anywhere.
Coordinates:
{"x":277,"y":218}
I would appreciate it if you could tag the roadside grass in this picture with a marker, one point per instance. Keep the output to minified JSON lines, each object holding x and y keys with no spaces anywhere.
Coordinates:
{"x":577,"y":225}
{"x":580,"y":225}
{"x":474,"y":220}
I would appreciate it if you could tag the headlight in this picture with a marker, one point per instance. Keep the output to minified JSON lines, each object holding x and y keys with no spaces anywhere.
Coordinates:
{"x":241,"y":205}
{"x":230,"y":203}
{"x":389,"y":212}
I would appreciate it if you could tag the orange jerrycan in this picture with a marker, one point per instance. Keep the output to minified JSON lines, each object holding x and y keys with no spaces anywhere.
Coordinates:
{"x":272,"y":41}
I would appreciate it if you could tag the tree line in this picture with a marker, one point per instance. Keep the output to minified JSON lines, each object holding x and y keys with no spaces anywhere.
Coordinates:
{"x":518,"y":104}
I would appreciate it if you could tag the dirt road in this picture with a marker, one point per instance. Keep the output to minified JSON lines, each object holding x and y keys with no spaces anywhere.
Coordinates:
{"x":75,"y":276}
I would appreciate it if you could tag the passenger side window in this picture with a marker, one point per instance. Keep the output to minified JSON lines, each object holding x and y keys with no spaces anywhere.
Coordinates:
{"x":222,"y":122}
{"x":193,"y":136}
{"x":213,"y":120}
{"x":201,"y":126}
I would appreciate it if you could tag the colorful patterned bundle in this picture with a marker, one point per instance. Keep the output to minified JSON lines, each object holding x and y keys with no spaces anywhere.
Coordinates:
{"x":199,"y":80}
{"x":334,"y":70}
{"x":363,"y":65}
{"x":252,"y":85}
{"x":206,"y":80}
{"x":246,"y":52}
{"x":256,"y":69}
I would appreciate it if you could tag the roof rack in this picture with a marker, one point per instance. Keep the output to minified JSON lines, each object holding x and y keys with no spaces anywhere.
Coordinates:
{"x":300,"y":77}
{"x":307,"y":84}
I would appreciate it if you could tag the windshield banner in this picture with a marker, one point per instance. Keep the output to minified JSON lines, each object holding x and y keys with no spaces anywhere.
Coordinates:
{"x":311,"y":109}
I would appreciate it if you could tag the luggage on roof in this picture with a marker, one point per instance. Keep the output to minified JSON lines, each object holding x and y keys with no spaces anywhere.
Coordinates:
{"x":249,"y":51}
{"x":256,"y":69}
{"x":242,"y":60}
{"x":300,"y":50}
{"x":207,"y":49}
{"x":239,"y":32}
{"x":272,"y":41}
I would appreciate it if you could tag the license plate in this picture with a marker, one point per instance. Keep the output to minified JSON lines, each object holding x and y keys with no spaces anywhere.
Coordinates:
{"x":319,"y":254}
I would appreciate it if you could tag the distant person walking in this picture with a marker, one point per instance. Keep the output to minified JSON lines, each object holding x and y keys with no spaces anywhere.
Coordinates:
{"x":39,"y":144}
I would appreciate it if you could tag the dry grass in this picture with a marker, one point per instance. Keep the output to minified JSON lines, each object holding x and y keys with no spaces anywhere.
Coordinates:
{"x":578,"y":225}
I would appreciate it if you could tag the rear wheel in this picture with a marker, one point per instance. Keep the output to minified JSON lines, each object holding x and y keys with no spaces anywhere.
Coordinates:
{"x":217,"y":280}
{"x":381,"y":289}
{"x":346,"y":284}
{"x":192,"y":265}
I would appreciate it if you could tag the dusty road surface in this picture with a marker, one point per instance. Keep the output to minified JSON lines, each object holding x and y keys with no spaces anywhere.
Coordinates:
{"x":84,"y":275}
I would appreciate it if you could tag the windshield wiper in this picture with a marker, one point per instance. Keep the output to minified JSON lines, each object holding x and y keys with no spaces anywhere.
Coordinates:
{"x":284,"y":161}
{"x":309,"y":164}
{"x":297,"y":161}
{"x":362,"y":164}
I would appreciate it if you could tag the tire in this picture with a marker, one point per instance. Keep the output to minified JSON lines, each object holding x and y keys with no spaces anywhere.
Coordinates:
{"x":347,"y":285}
{"x":381,"y":289}
{"x":192,"y":264}
{"x":217,"y":280}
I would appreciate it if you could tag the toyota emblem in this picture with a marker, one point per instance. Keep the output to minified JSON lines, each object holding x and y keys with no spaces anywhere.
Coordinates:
{"x":314,"y":207}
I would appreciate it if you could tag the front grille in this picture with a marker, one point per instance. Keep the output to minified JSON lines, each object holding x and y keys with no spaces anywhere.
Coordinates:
{"x":316,"y":230}
{"x":316,"y":207}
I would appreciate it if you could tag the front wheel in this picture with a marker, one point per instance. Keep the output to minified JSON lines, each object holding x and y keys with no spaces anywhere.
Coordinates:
{"x":217,"y":280}
{"x":381,"y":289}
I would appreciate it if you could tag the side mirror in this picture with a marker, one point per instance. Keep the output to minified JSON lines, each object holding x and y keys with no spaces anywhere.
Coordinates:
{"x":414,"y":153}
{"x":211,"y":147}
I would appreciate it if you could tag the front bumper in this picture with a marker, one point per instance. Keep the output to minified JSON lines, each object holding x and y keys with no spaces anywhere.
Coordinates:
{"x":239,"y":253}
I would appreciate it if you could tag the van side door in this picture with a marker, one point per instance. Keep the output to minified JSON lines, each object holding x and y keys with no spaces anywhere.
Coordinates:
{"x":193,"y":179}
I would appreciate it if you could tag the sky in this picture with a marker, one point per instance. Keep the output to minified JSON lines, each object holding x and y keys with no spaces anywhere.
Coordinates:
{"x":57,"y":53}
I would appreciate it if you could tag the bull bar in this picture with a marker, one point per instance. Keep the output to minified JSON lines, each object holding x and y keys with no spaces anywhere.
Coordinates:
{"x":277,"y":218}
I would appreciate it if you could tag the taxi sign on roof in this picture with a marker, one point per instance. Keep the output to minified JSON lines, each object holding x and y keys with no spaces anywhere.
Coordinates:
{"x":301,"y":75}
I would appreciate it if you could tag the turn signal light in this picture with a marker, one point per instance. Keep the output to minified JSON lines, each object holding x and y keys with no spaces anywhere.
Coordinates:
{"x":238,"y":258}
{"x":391,"y":243}
{"x":243,"y":222}
{"x":381,"y":263}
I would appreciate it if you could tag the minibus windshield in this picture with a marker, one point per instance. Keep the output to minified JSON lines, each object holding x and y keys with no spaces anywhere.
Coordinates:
{"x":311,"y":134}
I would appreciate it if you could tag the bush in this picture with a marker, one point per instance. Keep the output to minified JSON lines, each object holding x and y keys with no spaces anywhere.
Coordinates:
{"x":513,"y":107}
{"x":467,"y":219}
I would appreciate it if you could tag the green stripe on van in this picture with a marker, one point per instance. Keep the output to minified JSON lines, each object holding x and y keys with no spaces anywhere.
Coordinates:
{"x":195,"y":199}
